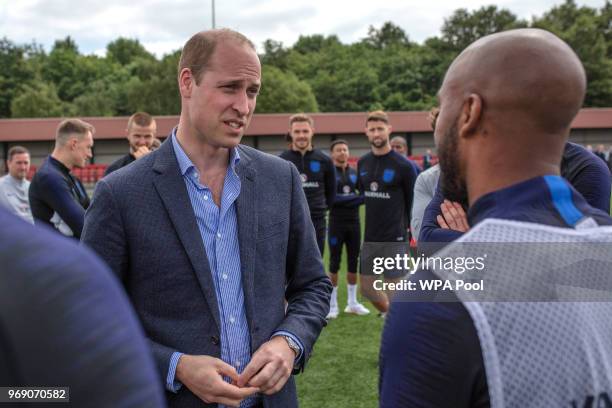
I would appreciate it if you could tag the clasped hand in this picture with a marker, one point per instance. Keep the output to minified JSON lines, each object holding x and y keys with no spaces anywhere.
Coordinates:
{"x":267,"y":372}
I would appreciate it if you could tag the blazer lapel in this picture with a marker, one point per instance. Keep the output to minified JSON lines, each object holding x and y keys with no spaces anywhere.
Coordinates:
{"x":171,"y":188}
{"x":246,"y":211}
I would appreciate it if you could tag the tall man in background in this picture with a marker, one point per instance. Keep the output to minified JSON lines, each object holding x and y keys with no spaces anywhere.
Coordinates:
{"x":14,"y":186}
{"x":316,"y":170}
{"x":57,"y":197}
{"x":141,"y":131}
{"x":386,"y":179}
{"x":222,"y":264}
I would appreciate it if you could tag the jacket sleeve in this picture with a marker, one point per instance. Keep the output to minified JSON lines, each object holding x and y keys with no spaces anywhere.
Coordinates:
{"x":308,"y":287}
{"x":593,"y":182}
{"x":57,"y":195}
{"x":419,"y":204}
{"x":409,"y":178}
{"x":431,"y":232}
{"x":330,"y":184}
{"x":105,"y":234}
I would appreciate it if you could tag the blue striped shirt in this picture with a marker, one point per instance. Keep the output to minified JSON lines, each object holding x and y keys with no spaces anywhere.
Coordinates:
{"x":219,"y":230}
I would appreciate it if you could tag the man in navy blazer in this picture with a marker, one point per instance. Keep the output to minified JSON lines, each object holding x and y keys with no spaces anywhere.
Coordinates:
{"x":212,"y":238}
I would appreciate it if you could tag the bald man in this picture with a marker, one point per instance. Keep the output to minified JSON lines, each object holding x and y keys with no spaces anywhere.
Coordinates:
{"x":495,"y":110}
{"x":398,"y":143}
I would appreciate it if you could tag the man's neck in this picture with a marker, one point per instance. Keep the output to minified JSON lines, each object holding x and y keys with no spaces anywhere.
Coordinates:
{"x":341,"y":165}
{"x":204,"y":156}
{"x":62,"y":158}
{"x":17,"y":180}
{"x":381,"y":151}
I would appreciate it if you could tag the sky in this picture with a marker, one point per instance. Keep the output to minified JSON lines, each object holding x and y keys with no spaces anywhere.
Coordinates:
{"x":163,"y":26}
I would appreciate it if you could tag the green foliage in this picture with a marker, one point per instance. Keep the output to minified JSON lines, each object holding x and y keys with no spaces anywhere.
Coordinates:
{"x":588,"y":32}
{"x":124,"y":50}
{"x":384,"y":69}
{"x":39,"y":101}
{"x":14,"y":73}
{"x":388,"y":35}
{"x":463,"y":28}
{"x":284,"y":92}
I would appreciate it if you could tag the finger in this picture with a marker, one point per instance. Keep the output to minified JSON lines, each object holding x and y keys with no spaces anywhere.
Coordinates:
{"x":227,"y":370}
{"x":447,"y":216}
{"x":462,"y":216}
{"x":264,"y":375}
{"x":272,"y":385}
{"x":226,"y":390}
{"x":441,"y":222}
{"x":256,"y":363}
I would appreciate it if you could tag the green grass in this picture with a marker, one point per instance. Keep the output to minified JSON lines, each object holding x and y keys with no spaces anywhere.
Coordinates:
{"x":343,"y":369}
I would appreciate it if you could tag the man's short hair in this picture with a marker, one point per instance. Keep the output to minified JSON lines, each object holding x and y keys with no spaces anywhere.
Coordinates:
{"x":301,"y":117}
{"x":140,"y":119}
{"x":17,"y":150}
{"x":337,"y":142}
{"x":198,"y":50}
{"x":400,"y":139}
{"x":377,"y":116}
{"x":71,"y":127}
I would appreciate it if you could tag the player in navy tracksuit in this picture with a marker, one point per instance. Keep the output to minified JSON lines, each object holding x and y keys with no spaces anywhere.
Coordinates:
{"x":58,"y":198}
{"x":430,"y":352}
{"x":386,"y":180}
{"x":317,"y":172}
{"x":344,"y":229}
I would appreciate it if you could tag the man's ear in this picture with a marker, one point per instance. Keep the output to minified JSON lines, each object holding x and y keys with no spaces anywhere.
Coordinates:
{"x":186,"y":82}
{"x":471,"y":115}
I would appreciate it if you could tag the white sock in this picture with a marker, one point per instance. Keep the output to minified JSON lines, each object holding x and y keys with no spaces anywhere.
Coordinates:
{"x":334,"y":297}
{"x":352,"y":294}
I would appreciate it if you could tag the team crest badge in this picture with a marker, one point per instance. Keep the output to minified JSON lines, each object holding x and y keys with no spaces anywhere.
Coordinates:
{"x":346,"y":189}
{"x":373,"y":186}
{"x":388,"y":175}
{"x":353,"y":178}
{"x":315,"y":166}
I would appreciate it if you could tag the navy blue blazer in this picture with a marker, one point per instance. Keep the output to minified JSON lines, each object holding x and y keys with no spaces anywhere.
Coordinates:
{"x":142,"y":223}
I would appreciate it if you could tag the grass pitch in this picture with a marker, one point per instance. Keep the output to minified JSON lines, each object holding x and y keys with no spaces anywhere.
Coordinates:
{"x":343,"y":369}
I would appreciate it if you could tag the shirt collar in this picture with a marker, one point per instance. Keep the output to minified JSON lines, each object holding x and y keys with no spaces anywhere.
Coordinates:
{"x":185,"y":163}
{"x":59,"y":165}
{"x":526,"y":194}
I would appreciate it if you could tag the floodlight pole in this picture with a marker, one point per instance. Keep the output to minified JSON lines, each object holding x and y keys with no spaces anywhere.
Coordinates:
{"x":213,"y":14}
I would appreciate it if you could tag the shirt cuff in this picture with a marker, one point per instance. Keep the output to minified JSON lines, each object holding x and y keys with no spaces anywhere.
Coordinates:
{"x":172,"y":384}
{"x":294,"y":338}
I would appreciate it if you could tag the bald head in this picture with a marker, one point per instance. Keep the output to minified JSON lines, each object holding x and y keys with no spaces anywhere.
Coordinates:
{"x":526,"y":75}
{"x":507,"y":96}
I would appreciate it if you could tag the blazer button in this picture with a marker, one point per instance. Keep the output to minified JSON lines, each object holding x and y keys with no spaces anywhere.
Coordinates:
{"x":215,"y":340}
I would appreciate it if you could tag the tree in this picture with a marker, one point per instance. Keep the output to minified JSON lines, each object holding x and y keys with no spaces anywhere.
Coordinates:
{"x":388,"y":35}
{"x":125,"y":50}
{"x":582,"y":29}
{"x":463,"y":28}
{"x":315,"y":43}
{"x":283,"y":93}
{"x":39,"y":101}
{"x":61,"y":67}
{"x":14,"y":73}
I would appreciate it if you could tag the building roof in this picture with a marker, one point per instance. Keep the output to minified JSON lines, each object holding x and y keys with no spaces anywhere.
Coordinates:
{"x":19,"y":130}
